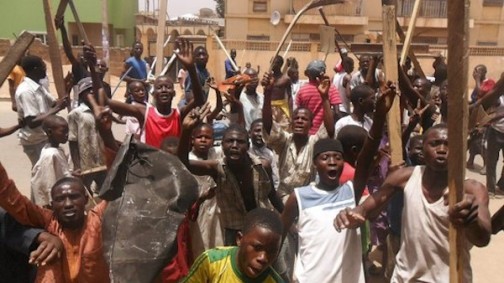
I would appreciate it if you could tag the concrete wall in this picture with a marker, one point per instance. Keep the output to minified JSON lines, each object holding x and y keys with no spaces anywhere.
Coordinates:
{"x":19,"y":15}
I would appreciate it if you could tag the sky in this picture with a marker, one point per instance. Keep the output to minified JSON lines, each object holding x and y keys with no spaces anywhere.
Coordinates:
{"x":179,"y":7}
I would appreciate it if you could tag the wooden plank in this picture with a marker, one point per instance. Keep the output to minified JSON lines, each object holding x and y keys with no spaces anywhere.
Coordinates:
{"x":14,"y":53}
{"x":391,"y":72}
{"x":458,"y":47}
{"x":61,"y":8}
{"x":409,"y":33}
{"x":160,"y":35}
{"x":374,"y":48}
{"x":411,"y":53}
{"x":54,"y":52}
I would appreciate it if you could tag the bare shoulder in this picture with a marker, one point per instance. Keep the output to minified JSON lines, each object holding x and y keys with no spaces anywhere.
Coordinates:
{"x":399,"y":177}
{"x":474,"y":187}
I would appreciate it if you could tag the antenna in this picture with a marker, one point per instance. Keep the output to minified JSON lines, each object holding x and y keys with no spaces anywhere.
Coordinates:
{"x":275,"y":18}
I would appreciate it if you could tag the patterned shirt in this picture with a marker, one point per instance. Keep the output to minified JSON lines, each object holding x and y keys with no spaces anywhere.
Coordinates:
{"x":82,"y":129}
{"x":229,"y":196}
{"x":295,"y":168}
{"x":220,"y":265}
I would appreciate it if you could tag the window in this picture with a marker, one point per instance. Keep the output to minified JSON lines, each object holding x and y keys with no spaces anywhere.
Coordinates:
{"x":260,"y":6}
{"x":258,"y":37}
{"x":493,"y":3}
{"x":75,"y":40}
{"x":40,"y":35}
{"x":487,"y":43}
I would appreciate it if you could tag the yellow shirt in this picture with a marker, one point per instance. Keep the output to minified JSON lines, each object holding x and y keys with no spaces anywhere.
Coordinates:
{"x":17,"y":75}
{"x":219,"y":265}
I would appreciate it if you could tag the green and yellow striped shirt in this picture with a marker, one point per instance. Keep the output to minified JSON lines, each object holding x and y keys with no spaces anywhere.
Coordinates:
{"x":219,"y":265}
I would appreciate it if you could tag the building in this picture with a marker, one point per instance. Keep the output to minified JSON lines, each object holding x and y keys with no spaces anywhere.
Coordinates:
{"x":21,"y":15}
{"x":359,"y":20}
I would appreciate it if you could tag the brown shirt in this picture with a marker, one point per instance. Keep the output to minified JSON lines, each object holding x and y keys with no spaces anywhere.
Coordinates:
{"x":83,"y":259}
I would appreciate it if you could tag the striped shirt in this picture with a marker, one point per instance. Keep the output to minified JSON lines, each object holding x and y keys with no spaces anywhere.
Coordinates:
{"x":220,"y":265}
{"x":309,"y":97}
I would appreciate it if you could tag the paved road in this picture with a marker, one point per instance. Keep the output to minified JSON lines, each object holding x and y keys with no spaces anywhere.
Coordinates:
{"x":488,"y":262}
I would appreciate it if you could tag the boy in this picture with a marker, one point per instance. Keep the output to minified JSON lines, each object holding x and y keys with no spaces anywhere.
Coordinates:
{"x":363,"y":101}
{"x":324,"y":255}
{"x":309,"y":97}
{"x":243,"y":181}
{"x":34,"y":104}
{"x":139,"y":68}
{"x":80,"y":233}
{"x":161,"y":120}
{"x":281,"y":94}
{"x":295,"y":149}
{"x":86,"y":146}
{"x":425,"y":256}
{"x":53,"y":162}
{"x":260,"y":149}
{"x":138,"y":92}
{"x":258,"y":247}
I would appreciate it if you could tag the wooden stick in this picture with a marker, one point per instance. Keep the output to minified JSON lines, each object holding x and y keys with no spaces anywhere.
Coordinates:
{"x":54,"y":52}
{"x":61,"y":8}
{"x":225,"y":52}
{"x":155,"y":59}
{"x":458,"y":50}
{"x":390,"y":60}
{"x":409,"y":33}
{"x":160,"y":34}
{"x":121,"y":79}
{"x":411,"y":52}
{"x":15,"y":52}
{"x":82,"y":32}
{"x":170,"y":62}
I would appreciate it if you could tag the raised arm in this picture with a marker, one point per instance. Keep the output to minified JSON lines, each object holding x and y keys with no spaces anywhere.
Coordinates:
{"x":408,"y":90}
{"x":185,"y":57}
{"x":490,"y":98}
{"x":218,"y":102}
{"x":323,"y":89}
{"x":354,"y":218}
{"x":67,"y":47}
{"x":366,"y":156}
{"x":124,"y":109}
{"x":267,"y":83}
{"x":197,"y":167}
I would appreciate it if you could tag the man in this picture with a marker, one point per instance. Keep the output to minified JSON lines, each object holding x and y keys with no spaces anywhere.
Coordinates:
{"x":243,"y":181}
{"x":251,"y":100}
{"x":228,"y":66}
{"x":139,"y":68}
{"x":200,"y":56}
{"x":21,"y":246}
{"x":34,"y":104}
{"x":309,"y":96}
{"x":359,"y":77}
{"x":281,"y":94}
{"x":341,"y":81}
{"x":482,"y":84}
{"x":424,"y":257}
{"x":79,"y":67}
{"x":260,"y":149}
{"x":80,"y":231}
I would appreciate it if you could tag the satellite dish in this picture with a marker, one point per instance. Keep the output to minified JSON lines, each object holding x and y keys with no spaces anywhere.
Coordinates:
{"x":275,"y":18}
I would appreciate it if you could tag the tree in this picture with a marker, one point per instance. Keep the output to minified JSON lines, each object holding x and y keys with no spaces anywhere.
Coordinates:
{"x":220,"y":7}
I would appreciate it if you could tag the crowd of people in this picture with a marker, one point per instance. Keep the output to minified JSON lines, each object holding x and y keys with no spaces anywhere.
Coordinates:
{"x":296,"y":183}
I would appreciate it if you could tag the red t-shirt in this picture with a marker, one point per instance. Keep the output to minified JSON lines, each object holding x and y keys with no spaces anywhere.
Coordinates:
{"x":309,"y":97}
{"x":158,"y":126}
{"x":485,"y":87}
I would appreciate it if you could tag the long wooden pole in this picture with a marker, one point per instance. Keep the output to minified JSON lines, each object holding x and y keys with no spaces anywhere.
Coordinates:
{"x":163,"y":4}
{"x":409,"y":33}
{"x":14,"y":53}
{"x":82,"y":31}
{"x":411,"y":53}
{"x":54,"y":52}
{"x":105,"y":37}
{"x":458,"y":46}
{"x":390,"y":61}
{"x":233,"y":64}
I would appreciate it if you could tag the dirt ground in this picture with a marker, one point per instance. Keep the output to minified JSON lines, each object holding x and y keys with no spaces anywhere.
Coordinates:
{"x":486,"y":262}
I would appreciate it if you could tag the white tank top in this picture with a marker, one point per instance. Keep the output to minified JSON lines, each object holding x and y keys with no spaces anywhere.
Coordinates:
{"x":424,"y":252}
{"x":325,"y":255}
{"x":338,"y":83}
